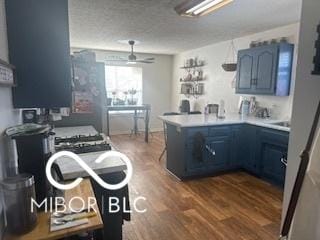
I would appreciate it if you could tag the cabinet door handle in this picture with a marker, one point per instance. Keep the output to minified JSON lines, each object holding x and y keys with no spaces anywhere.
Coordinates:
{"x":284,"y":161}
{"x":210,"y":150}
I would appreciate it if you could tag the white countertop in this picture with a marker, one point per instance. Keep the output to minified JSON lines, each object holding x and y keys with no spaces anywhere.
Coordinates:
{"x":200,"y":120}
{"x":71,"y":170}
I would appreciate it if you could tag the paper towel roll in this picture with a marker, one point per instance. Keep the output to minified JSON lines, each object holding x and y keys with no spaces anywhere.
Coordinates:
{"x":221,"y":111}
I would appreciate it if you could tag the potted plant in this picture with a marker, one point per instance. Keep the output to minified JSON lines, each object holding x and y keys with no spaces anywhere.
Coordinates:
{"x":132,"y":101}
{"x":114,"y":95}
{"x":125,"y":93}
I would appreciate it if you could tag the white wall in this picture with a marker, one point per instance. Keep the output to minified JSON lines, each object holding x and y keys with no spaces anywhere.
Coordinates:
{"x":306,"y":98}
{"x":156,"y":90}
{"x":8,"y":116}
{"x":219,"y":83}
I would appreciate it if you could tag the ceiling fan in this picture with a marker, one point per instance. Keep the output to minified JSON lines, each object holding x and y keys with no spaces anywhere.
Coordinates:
{"x":132,"y":59}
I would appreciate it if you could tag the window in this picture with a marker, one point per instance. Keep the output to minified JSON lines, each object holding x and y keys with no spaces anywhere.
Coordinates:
{"x":120,"y":80}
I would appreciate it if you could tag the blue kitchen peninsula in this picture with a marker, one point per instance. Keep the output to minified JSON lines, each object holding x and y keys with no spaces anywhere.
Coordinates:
{"x":199,"y":145}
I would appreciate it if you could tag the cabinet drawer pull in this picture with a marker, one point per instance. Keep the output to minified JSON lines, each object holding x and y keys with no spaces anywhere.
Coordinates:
{"x":284,"y":161}
{"x":210,"y":150}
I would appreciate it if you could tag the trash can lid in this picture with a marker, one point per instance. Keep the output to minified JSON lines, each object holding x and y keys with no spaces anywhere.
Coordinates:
{"x":17,"y":182}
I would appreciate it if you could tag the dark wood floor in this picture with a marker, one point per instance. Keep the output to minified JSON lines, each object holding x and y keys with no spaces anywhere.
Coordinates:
{"x":234,"y":206}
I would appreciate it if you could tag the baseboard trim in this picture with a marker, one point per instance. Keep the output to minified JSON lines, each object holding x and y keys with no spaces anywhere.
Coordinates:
{"x":173,"y":175}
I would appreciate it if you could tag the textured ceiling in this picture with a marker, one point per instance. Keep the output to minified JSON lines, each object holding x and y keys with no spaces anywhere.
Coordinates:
{"x":99,"y":24}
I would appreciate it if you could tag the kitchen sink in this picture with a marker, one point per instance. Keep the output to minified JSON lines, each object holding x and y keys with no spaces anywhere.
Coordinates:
{"x":282,"y":124}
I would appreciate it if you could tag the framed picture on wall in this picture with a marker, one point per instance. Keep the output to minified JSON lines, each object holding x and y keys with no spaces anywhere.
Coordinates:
{"x":7,"y":74}
{"x":316,"y":59}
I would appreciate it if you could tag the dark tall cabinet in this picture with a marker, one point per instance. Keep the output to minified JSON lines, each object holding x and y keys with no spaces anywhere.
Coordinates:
{"x":265,"y":70}
{"x":39,"y":47}
{"x":92,"y":78}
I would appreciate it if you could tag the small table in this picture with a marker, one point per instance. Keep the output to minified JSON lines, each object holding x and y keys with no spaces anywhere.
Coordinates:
{"x":145,"y":107}
{"x":42,"y":232}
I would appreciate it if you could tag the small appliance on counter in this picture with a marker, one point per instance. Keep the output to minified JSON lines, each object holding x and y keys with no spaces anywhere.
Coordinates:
{"x":35,"y":145}
{"x":185,"y":106}
{"x":213,"y":108}
{"x":262,"y":112}
{"x":18,"y":192}
{"x":247,"y":106}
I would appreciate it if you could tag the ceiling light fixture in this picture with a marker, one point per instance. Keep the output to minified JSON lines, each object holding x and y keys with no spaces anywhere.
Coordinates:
{"x":195,"y":8}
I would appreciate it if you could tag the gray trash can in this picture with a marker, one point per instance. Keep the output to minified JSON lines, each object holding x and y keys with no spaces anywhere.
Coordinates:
{"x":17,"y":192}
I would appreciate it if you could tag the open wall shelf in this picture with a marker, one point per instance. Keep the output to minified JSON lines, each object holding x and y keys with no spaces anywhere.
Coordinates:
{"x":192,"y":82}
{"x":192,"y":67}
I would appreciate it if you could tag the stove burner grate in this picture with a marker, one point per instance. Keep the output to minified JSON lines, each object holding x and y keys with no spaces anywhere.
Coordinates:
{"x":79,"y":138}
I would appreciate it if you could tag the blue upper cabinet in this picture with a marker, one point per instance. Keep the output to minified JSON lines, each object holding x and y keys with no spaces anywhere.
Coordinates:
{"x":265,"y":70}
{"x":245,"y":71}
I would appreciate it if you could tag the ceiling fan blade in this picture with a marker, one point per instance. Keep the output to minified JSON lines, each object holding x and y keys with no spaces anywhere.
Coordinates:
{"x":144,"y":61}
{"x":116,"y":60}
{"x":132,"y":59}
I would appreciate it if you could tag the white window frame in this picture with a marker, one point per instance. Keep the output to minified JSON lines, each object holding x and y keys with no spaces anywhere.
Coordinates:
{"x":128,"y":112}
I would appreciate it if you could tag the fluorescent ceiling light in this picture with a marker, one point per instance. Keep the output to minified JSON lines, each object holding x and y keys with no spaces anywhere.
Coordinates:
{"x":207,"y":6}
{"x":204,"y":5}
{"x":194,"y":8}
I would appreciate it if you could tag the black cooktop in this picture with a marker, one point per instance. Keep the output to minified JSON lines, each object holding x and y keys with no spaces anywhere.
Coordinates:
{"x":79,"y":138}
{"x":84,"y":147}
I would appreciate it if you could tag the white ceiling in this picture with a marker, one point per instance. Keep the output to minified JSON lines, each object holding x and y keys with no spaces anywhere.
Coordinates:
{"x":99,"y":24}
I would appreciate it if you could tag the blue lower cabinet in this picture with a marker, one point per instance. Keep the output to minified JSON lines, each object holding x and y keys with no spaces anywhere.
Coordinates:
{"x":236,"y":146}
{"x":207,"y":154}
{"x":273,"y":148}
{"x":273,"y":167}
{"x":209,"y":150}
{"x":248,"y":149}
{"x":217,"y":153}
{"x":196,"y":157}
